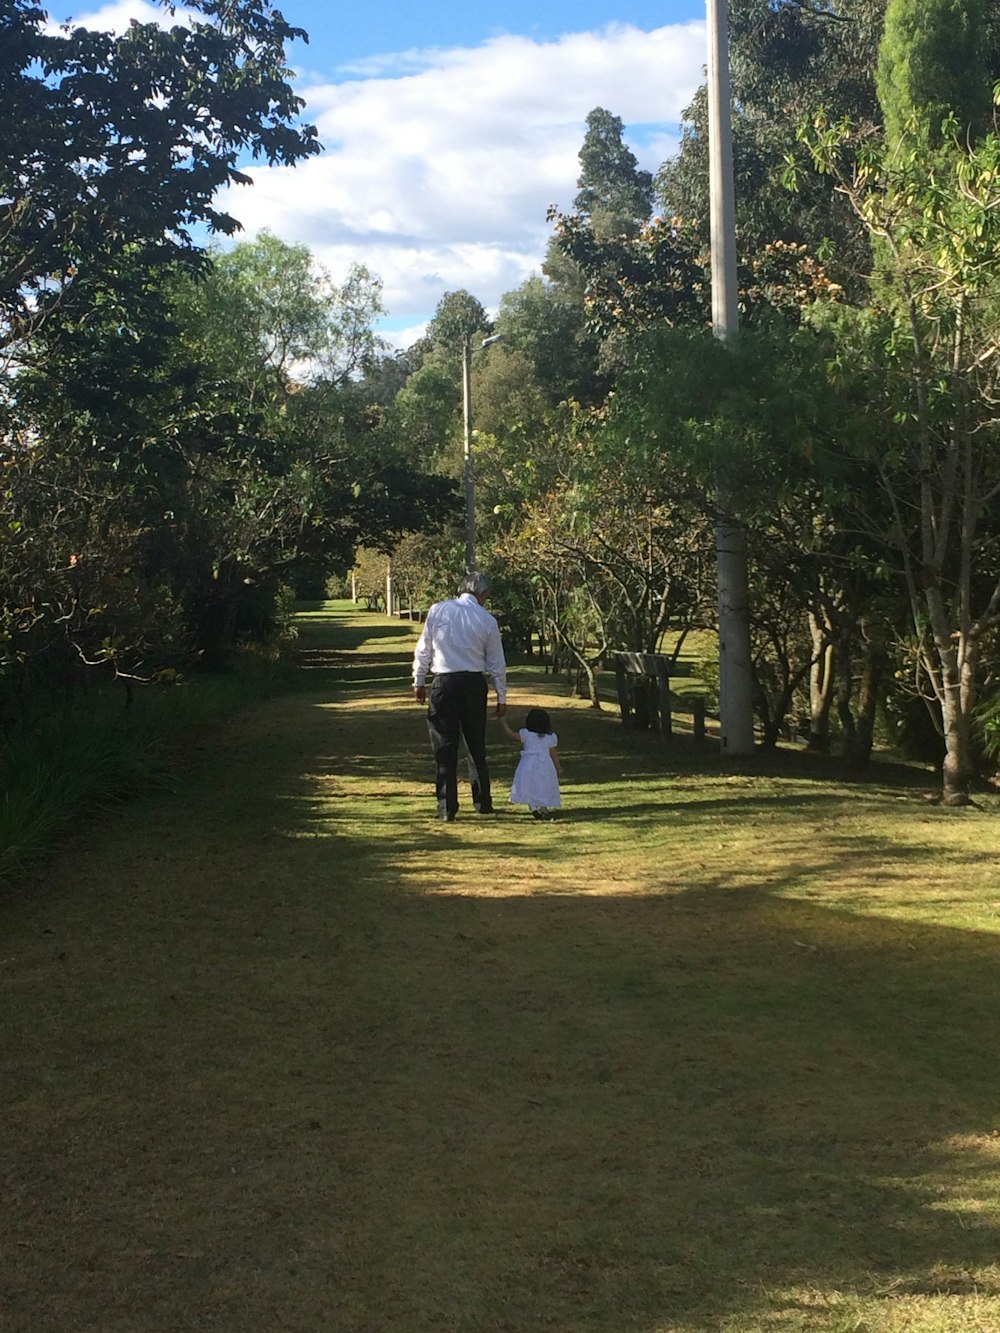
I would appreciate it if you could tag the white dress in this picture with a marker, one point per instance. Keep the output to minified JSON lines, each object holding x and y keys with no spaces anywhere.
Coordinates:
{"x":536,"y":782}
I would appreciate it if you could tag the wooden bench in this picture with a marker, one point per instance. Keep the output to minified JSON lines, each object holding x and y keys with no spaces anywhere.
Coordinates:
{"x":372,"y":600}
{"x":654,"y":711}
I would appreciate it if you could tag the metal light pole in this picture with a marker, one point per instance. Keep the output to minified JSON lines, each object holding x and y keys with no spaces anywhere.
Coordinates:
{"x":470,"y":493}
{"x":735,"y":683}
{"x":470,"y":488}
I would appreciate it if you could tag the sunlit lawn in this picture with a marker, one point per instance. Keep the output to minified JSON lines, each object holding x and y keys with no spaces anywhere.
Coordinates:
{"x":715,"y":1051}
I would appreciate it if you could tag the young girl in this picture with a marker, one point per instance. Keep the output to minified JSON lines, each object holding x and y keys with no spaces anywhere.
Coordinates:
{"x":536,"y":780}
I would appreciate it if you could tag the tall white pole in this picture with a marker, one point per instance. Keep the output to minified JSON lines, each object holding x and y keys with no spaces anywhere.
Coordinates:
{"x":470,"y":491}
{"x":735,"y":681}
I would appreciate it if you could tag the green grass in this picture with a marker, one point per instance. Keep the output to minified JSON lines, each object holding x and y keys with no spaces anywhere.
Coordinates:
{"x":713,"y":1053}
{"x":98,"y":752}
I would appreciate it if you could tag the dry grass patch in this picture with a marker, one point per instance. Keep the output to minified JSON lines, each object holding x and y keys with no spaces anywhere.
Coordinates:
{"x":713,"y":1052}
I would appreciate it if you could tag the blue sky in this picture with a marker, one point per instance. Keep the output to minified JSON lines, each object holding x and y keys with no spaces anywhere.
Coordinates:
{"x":449,"y":129}
{"x":338,"y":35}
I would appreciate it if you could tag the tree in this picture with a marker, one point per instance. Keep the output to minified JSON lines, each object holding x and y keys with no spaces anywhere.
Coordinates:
{"x":457,"y":320}
{"x":426,"y":410}
{"x":610,"y":543}
{"x":176,"y":480}
{"x":788,"y":60}
{"x":765,"y":412}
{"x":550,"y":328}
{"x":614,"y":193}
{"x":928,"y":197}
{"x":933,"y":68}
{"x":116,"y":147}
{"x":284,"y":318}
{"x":309,"y":468}
{"x":613,"y":204}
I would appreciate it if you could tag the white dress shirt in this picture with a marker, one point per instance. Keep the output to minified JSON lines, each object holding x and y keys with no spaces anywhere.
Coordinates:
{"x":461,"y":635}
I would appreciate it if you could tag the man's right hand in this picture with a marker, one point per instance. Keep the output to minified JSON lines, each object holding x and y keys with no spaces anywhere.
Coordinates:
{"x":420,"y":693}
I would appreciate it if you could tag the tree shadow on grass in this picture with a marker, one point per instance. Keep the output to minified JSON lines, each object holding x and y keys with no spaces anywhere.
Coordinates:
{"x":298,"y":1062}
{"x":575,"y":1112}
{"x":325,"y":665}
{"x":674,"y":1108}
{"x":588,"y":1113}
{"x":667,"y":1109}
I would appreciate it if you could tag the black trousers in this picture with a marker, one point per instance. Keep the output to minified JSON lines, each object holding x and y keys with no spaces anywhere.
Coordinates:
{"x":457,"y":708}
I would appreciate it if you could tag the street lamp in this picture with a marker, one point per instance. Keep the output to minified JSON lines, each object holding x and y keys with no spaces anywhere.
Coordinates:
{"x":470,"y":490}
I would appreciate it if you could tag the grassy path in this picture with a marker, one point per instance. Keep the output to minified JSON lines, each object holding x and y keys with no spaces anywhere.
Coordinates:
{"x":714,"y":1053}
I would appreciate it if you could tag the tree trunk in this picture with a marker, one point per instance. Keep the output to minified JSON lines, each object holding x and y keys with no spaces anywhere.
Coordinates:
{"x":593,"y":693}
{"x":955,"y":688}
{"x":957,"y":769}
{"x":821,"y":683}
{"x":770,"y":721}
{"x":861,"y":738}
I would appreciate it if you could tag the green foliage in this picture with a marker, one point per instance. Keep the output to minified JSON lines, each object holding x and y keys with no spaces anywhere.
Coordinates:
{"x":765,"y":414}
{"x":760,"y":409}
{"x":594,"y":265}
{"x":166,"y":480}
{"x":988,"y":723}
{"x":548,"y":325}
{"x":427,"y":409}
{"x":932,"y":210}
{"x":120,"y":144}
{"x":634,"y":282}
{"x":660,"y":278}
{"x":614,"y":194}
{"x":62,"y":767}
{"x":932,"y":68}
{"x":787,"y":60}
{"x":457,"y":320}
{"x":611,"y":542}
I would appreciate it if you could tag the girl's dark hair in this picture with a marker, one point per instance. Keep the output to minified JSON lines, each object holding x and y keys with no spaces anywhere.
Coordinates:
{"x":538,"y":721}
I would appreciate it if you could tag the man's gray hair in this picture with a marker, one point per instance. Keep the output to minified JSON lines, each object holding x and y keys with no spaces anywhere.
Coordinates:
{"x":476,"y":583}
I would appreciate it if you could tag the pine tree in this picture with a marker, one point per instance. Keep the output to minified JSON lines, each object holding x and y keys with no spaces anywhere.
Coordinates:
{"x":932,"y":63}
{"x":615,"y":193}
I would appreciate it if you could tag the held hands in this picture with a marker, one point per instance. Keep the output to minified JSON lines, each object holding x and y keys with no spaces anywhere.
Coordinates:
{"x":512,"y":734}
{"x":501,"y":709}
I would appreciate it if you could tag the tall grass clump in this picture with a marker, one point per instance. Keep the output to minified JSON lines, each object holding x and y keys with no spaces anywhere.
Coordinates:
{"x":109,"y":747}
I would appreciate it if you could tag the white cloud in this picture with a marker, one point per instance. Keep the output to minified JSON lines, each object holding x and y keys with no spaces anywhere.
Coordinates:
{"x":400,"y":339}
{"x":439,"y":165}
{"x":117,"y":16}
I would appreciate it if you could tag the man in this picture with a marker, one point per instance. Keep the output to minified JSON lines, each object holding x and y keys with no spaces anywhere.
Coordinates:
{"x":460,"y":640}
